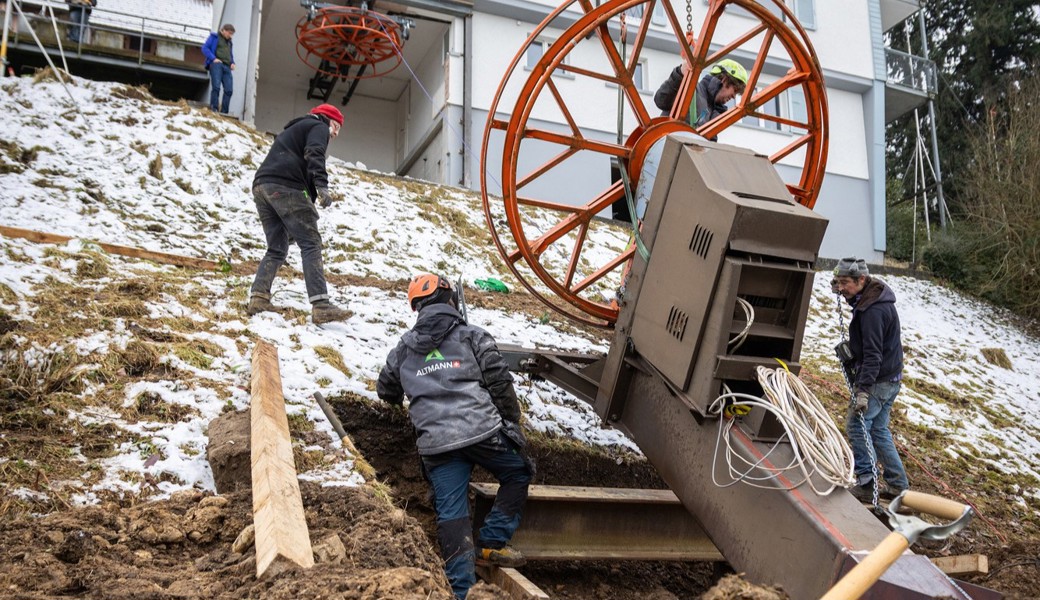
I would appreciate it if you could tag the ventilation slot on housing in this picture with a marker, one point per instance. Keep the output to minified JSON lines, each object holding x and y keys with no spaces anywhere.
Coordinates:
{"x":676,"y":325}
{"x":765,"y":302}
{"x":701,"y":241}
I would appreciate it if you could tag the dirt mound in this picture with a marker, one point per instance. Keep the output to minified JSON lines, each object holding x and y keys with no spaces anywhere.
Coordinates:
{"x":181,"y":548}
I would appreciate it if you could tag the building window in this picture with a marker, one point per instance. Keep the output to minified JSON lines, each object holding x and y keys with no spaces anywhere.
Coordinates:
{"x":789,"y":104}
{"x":639,"y":76}
{"x":133,"y":42}
{"x":535,"y":52}
{"x":769,"y":108}
{"x":659,"y":16}
{"x":804,"y":11}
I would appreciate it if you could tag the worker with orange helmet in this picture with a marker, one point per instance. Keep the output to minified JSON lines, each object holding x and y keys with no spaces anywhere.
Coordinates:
{"x":465,"y":412}
{"x":285,"y":188}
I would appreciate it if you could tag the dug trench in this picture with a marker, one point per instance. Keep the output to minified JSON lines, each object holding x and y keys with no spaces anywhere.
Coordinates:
{"x":384,"y":435}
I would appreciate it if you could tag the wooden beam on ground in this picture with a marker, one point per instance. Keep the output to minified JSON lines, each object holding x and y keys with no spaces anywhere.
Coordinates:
{"x":512,"y":582}
{"x":281,"y":528}
{"x":964,"y":564}
{"x":159,"y":257}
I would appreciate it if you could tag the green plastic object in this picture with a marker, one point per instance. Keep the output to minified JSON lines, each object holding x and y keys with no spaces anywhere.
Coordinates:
{"x":492,"y":285}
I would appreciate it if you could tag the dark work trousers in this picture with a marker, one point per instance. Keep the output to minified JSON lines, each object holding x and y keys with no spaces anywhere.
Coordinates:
{"x":220,"y":76}
{"x":79,"y":16}
{"x":449,"y":474}
{"x":287,"y":212}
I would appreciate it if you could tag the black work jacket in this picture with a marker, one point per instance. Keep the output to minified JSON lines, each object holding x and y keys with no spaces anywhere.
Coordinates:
{"x":297,"y":157}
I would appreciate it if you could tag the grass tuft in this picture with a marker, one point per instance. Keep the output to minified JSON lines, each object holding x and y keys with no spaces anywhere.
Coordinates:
{"x":332,"y":356}
{"x":997,"y":356}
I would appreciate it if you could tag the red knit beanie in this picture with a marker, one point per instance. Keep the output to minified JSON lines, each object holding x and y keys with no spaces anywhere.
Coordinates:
{"x":329,"y":111}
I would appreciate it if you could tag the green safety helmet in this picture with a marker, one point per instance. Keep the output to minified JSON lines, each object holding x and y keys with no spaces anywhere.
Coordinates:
{"x":730,"y":67}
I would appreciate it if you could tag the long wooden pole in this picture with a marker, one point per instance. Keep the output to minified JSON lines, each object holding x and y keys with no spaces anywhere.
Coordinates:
{"x":278,"y":517}
{"x":159,"y":257}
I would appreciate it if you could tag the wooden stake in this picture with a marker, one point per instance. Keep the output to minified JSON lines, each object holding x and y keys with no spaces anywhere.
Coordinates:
{"x":512,"y":582}
{"x":281,"y":528}
{"x":159,"y":257}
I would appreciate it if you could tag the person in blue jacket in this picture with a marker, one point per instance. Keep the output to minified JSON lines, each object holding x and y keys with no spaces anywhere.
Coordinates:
{"x":875,"y":371}
{"x":465,"y":412}
{"x":220,"y":62}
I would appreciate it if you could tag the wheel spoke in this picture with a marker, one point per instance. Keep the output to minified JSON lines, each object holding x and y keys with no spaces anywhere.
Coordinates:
{"x":796,"y":144}
{"x":559,"y":158}
{"x":572,"y":265}
{"x":608,"y":197}
{"x":604,"y":270}
{"x":577,"y":143}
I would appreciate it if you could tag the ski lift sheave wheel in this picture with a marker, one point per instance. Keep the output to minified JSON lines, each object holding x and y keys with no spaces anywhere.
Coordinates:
{"x":540,"y":233}
{"x":337,"y":38}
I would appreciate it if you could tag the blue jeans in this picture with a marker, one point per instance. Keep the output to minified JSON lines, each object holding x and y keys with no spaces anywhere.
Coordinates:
{"x":875,"y":422}
{"x":449,"y":474}
{"x":220,"y":76}
{"x":283,"y":212}
{"x":78,"y":15}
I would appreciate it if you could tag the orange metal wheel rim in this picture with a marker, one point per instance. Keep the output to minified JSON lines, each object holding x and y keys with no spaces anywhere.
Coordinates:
{"x":542,"y":230}
{"x":338,"y":38}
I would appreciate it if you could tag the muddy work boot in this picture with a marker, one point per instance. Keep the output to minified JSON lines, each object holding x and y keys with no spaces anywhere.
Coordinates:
{"x":326,"y":312}
{"x":258,"y":305}
{"x":502,"y":557}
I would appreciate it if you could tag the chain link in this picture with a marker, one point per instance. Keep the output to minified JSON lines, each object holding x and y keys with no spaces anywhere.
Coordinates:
{"x":689,"y":17}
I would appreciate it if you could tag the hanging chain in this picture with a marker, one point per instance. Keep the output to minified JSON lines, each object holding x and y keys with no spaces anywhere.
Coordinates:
{"x":689,"y":18}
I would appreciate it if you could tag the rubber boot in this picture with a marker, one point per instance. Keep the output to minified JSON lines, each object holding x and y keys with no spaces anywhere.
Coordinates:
{"x":324,"y":311}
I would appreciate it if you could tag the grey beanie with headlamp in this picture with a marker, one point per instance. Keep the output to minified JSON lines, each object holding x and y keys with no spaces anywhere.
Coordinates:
{"x":851,"y":267}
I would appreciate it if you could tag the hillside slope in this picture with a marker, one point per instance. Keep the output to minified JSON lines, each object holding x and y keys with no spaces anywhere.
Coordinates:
{"x":112,"y":368}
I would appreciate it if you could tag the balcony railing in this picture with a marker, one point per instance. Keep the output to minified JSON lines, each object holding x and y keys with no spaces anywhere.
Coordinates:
{"x":129,"y":37}
{"x":912,"y":72}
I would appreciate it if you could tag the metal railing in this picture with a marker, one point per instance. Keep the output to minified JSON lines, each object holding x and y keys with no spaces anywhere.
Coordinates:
{"x":913,"y":72}
{"x":129,"y":30}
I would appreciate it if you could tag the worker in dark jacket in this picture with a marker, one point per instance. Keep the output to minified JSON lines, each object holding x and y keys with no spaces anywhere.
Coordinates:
{"x":285,"y":188}
{"x":723,"y":82}
{"x":465,"y":412}
{"x":875,"y":372}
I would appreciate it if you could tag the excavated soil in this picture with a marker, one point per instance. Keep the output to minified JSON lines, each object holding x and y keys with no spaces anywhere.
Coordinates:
{"x":367,"y":548}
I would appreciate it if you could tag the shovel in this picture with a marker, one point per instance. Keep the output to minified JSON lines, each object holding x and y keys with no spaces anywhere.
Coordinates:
{"x":905,"y":531}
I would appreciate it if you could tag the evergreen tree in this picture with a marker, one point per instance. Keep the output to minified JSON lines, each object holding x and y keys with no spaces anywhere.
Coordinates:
{"x":980,"y":48}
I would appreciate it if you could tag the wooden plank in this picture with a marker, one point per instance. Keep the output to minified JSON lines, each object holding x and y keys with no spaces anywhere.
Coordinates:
{"x":964,"y":564}
{"x":159,"y":257}
{"x":590,"y":523}
{"x":512,"y":582}
{"x":281,"y":527}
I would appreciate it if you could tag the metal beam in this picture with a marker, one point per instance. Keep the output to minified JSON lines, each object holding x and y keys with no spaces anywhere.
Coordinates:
{"x":587,"y":523}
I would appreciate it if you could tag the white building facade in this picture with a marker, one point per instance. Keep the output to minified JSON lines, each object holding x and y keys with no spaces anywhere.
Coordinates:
{"x":426,"y":118}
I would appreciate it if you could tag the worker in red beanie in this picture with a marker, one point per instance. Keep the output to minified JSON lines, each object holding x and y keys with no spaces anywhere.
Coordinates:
{"x":285,"y":188}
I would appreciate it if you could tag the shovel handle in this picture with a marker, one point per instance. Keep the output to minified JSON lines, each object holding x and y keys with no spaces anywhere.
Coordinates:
{"x":862,"y":576}
{"x":943,"y":508}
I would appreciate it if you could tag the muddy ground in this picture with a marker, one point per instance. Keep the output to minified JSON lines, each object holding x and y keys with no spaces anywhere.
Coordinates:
{"x":369,"y":547}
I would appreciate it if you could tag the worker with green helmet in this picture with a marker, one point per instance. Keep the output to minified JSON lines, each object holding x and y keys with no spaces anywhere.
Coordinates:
{"x":724,"y":80}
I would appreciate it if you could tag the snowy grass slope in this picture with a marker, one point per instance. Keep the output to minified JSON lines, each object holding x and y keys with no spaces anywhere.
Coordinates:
{"x":132,"y":171}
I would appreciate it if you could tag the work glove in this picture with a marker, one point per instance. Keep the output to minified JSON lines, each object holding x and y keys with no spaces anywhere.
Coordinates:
{"x":861,"y":400}
{"x":324,"y":197}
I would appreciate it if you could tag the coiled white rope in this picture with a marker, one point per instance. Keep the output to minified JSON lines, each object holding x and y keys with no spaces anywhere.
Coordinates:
{"x":817,"y":445}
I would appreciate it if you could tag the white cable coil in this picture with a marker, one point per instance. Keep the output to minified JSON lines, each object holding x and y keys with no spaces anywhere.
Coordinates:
{"x":818,"y":447}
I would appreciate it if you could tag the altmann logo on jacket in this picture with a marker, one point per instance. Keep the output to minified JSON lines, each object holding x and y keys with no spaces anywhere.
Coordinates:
{"x":435,"y":354}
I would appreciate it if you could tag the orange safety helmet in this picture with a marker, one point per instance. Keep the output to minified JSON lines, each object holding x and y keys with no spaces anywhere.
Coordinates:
{"x":425,"y":285}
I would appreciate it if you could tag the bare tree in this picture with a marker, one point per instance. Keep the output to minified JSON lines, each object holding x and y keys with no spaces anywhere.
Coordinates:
{"x":1003,"y":204}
